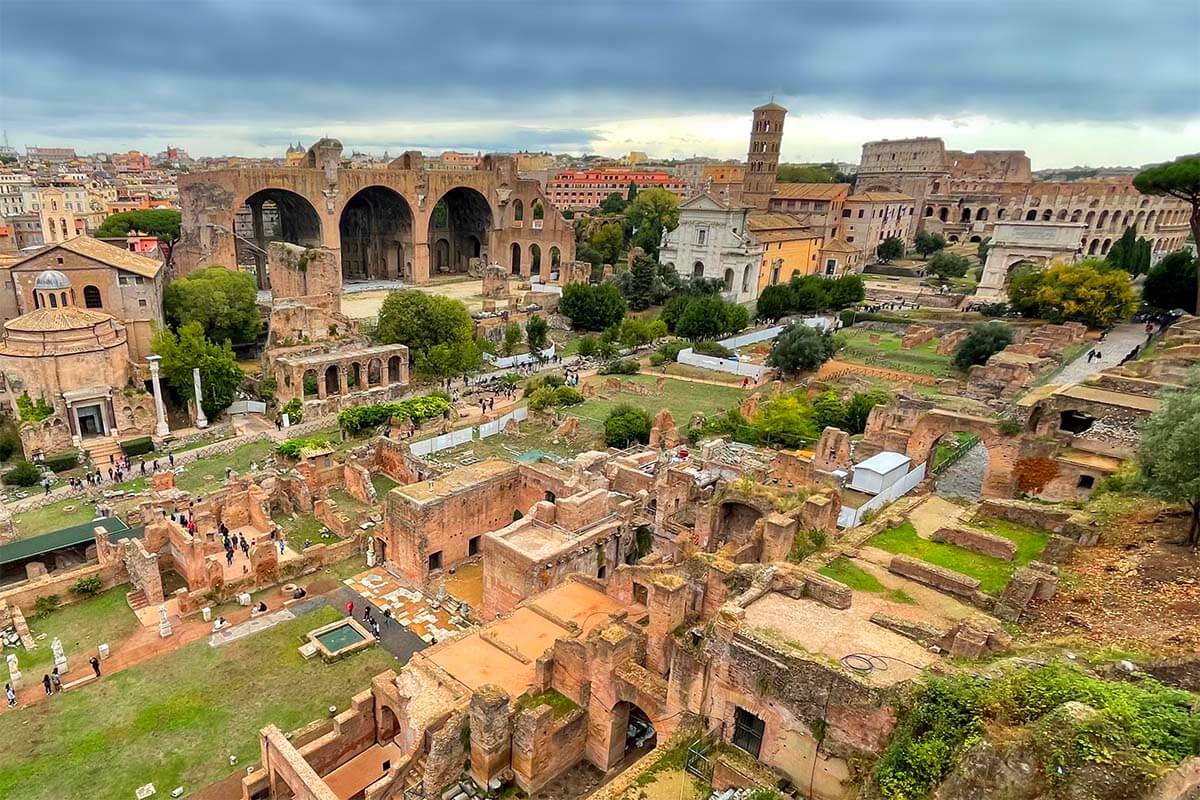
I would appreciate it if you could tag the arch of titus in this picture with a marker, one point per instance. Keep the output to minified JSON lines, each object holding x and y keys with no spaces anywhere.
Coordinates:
{"x":1037,"y":243}
{"x":403,"y":222}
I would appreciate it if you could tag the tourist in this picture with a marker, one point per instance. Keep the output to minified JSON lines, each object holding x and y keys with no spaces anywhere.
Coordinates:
{"x":46,"y":484}
{"x":350,"y":609}
{"x":11,"y":695}
{"x":281,"y":546}
{"x":229,"y":558}
{"x":298,"y":593}
{"x":95,"y":662}
{"x":387,"y":617}
{"x":218,"y":624}
{"x":56,"y":680}
{"x":47,"y":684}
{"x":171,"y":460}
{"x":262,"y":606}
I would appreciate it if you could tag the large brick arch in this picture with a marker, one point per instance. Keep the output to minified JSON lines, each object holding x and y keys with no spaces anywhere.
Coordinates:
{"x":210,"y":201}
{"x":1003,"y":450}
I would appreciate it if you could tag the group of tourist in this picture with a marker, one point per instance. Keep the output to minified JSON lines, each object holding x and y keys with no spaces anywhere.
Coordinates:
{"x":51,"y":683}
{"x":368,"y":619}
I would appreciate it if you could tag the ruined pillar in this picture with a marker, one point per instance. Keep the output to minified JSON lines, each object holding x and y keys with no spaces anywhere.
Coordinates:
{"x":160,"y":428}
{"x":667,"y":609}
{"x":491,"y":733}
{"x":201,"y":420}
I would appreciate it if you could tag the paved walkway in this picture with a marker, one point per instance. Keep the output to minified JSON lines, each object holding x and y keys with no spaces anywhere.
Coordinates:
{"x":1116,"y":345}
{"x":964,"y":478}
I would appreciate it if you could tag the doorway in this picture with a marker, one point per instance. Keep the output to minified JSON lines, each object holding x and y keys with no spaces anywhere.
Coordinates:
{"x":748,"y":731}
{"x":91,"y":420}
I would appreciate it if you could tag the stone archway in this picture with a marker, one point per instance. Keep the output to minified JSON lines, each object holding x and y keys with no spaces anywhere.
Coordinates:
{"x":376,"y":232}
{"x":275,"y":215}
{"x":462,"y":218}
{"x":1003,"y":451}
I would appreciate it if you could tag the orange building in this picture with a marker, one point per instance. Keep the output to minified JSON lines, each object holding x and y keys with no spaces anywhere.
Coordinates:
{"x":819,"y":204}
{"x":790,"y":248}
{"x":583,"y":189}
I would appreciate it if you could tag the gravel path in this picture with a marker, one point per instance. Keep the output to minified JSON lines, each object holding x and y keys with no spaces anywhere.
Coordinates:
{"x":964,"y":478}
{"x":1116,"y":345}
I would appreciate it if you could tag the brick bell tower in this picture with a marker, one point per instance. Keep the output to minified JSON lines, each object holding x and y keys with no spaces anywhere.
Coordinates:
{"x":766,"y":135}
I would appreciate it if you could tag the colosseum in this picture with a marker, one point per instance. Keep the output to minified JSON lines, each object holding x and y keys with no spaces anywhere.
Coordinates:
{"x":962,"y":195}
{"x":405,"y":222}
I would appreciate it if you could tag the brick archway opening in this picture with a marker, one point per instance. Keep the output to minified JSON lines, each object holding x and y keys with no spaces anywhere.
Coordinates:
{"x":934,"y":427}
{"x":376,"y":233}
{"x":463,"y":219}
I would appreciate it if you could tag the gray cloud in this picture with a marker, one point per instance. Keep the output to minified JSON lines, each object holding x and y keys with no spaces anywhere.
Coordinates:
{"x":122,"y":71}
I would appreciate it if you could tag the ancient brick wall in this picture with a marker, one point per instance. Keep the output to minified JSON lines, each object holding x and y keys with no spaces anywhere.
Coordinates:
{"x":544,"y":747}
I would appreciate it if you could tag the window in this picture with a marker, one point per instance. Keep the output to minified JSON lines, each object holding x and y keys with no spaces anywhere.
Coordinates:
{"x":473,"y":545}
{"x":849,"y":238}
{"x":846,"y":213}
{"x":831,"y":266}
{"x":142,"y":303}
{"x":91,"y":297}
{"x":435,"y":561}
{"x":1085,"y":482}
{"x":59,"y":259}
{"x":860,"y":213}
{"x":701,"y":235}
{"x":748,"y":731}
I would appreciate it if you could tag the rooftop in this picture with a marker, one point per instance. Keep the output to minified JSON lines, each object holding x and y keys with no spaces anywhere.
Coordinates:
{"x":456,"y":480}
{"x":811,"y":191}
{"x":879,"y":197}
{"x":105,"y":253}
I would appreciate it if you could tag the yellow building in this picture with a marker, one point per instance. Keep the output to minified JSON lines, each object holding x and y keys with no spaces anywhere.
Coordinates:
{"x":790,"y":248}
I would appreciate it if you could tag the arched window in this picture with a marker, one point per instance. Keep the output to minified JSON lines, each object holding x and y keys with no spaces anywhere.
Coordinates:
{"x":53,"y":300}
{"x":1031,"y":216}
{"x":1047,"y":215}
{"x":518,"y":210}
{"x":1000,"y":213}
{"x":91,"y":297}
{"x":535,"y":260}
{"x":944,"y":214}
{"x":746,"y":279}
{"x":729,"y":280}
{"x":929,"y":211}
{"x":538,"y":211}
{"x":37,"y":300}
{"x":516,"y":258}
{"x":966,"y":215}
{"x":555,"y":258}
{"x":698,"y":269}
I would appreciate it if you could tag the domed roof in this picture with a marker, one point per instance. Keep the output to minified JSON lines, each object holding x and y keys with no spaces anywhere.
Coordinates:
{"x":57,"y":319}
{"x":52,"y":279}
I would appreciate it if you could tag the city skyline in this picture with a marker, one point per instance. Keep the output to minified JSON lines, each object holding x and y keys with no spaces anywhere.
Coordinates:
{"x":671,"y":81}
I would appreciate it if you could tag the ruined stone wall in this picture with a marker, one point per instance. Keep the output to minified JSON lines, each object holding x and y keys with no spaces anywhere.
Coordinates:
{"x":544,"y":747}
{"x":142,"y":568}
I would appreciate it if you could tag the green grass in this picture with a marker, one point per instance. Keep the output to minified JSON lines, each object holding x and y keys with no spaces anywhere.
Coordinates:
{"x":993,"y":573}
{"x":383,"y":484}
{"x":948,"y":448}
{"x":53,"y":517}
{"x":561,"y":704}
{"x":206,"y":474}
{"x":888,"y":353}
{"x":682,"y":398}
{"x":303,"y":527}
{"x":843,"y":570}
{"x":81,"y":626}
{"x":175,"y":721}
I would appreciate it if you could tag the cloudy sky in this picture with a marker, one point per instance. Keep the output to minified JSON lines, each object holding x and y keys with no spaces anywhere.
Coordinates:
{"x":1114,"y":82}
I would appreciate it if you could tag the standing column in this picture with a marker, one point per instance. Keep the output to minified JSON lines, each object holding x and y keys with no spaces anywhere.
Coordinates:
{"x":201,"y":420}
{"x":160,"y":428}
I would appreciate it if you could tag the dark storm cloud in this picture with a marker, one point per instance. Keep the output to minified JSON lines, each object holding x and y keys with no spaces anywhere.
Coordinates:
{"x":116,"y":68}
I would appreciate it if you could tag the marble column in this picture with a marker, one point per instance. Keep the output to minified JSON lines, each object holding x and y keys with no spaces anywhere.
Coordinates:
{"x":201,"y":420}
{"x":160,"y":427}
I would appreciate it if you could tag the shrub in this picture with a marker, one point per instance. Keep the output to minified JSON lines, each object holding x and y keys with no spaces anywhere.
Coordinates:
{"x":848,"y":317}
{"x":657,"y":359}
{"x":859,"y":408}
{"x":1087,"y":291}
{"x":23,"y":474}
{"x":621,"y":366}
{"x":138,"y":446}
{"x":10,"y":440}
{"x":293,"y":447}
{"x":357,"y":419}
{"x":87,"y":587}
{"x":586,"y":347}
{"x":670,"y":350}
{"x":552,"y":381}
{"x":948,"y":265}
{"x":714,"y":349}
{"x":626,"y":425}
{"x":567,"y":396}
{"x":829,"y":411}
{"x":61,"y":462}
{"x":1171,"y":283}
{"x":592,"y":308}
{"x":45,"y":606}
{"x":30,"y":410}
{"x":541,"y":399}
{"x":294,"y":408}
{"x":982,"y":343}
{"x":785,"y":420}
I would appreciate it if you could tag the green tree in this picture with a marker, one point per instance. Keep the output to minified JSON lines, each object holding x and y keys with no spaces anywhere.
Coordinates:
{"x":643,"y":273}
{"x":1169,"y":283}
{"x":632,"y":192}
{"x":890,"y":249}
{"x":1088,"y":291}
{"x":512,"y":337}
{"x":786,"y":420}
{"x":982,"y":342}
{"x":592,"y":308}
{"x":537,"y":332}
{"x":845,"y":291}
{"x":626,"y":425}
{"x":423,"y":322}
{"x":186,"y":350}
{"x":586,"y":346}
{"x":948,"y":265}
{"x":774,"y":302}
{"x":161,"y":223}
{"x":614,"y":203}
{"x":809,"y":293}
{"x":829,"y":411}
{"x":859,"y":408}
{"x":1169,"y":452}
{"x":803,"y":173}
{"x":1130,"y":253}
{"x":1179,"y":179}
{"x":224,"y":302}
{"x":800,"y":348}
{"x":609,"y":241}
{"x":928,"y":243}
{"x":981,"y":251}
{"x":708,"y":316}
{"x":650,"y":213}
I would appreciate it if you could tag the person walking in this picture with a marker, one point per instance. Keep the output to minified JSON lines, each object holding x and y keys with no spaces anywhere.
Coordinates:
{"x":47,"y":684}
{"x":56,"y":679}
{"x":95,"y":662}
{"x":10,"y":695}
{"x":350,"y":609}
{"x":387,"y":617}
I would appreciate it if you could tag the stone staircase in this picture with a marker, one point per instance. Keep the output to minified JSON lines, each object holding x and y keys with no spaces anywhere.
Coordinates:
{"x":414,"y":776}
{"x":99,"y":450}
{"x":137,"y":600}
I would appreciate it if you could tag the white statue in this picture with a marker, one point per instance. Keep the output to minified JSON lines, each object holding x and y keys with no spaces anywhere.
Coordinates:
{"x":14,"y":672}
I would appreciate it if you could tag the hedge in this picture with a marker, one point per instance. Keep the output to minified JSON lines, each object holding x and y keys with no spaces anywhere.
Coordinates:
{"x":23,"y":474}
{"x":139,"y":446}
{"x":61,"y":462}
{"x":418,"y":409}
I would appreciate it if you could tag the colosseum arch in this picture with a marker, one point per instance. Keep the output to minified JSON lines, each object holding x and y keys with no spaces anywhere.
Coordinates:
{"x":376,"y":232}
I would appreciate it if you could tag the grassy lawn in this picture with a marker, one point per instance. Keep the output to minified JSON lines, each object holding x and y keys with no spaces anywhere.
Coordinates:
{"x":843,"y":570}
{"x":81,"y":626}
{"x":206,"y":474}
{"x":532,"y":437}
{"x":688,"y":371}
{"x":948,"y":448}
{"x":887,"y":353}
{"x":993,"y":573}
{"x":175,"y":721}
{"x":383,"y":484}
{"x":53,"y":517}
{"x":305,"y":527}
{"x":683,"y":398}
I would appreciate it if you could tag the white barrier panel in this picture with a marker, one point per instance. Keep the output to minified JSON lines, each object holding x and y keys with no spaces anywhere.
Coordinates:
{"x":517,"y":360}
{"x":753,"y":337}
{"x":694,"y":359}
{"x":443,"y":442}
{"x":495,"y":426}
{"x":544,"y":287}
{"x":247,"y":407}
{"x":850,"y":517}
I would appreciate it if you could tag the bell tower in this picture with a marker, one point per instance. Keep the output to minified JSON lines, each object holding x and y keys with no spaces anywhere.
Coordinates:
{"x":762,"y":162}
